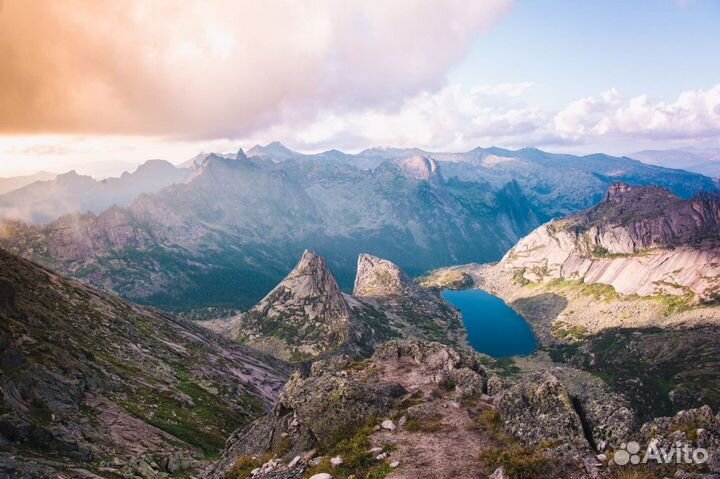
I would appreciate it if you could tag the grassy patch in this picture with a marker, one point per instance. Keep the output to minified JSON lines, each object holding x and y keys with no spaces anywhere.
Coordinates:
{"x":568,"y":332}
{"x":519,"y":277}
{"x":487,"y":420}
{"x":244,"y":466}
{"x":427,"y":424}
{"x":518,"y":462}
{"x":357,"y":460}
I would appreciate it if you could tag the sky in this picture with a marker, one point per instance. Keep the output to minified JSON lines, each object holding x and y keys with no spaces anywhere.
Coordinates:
{"x":99,"y":85}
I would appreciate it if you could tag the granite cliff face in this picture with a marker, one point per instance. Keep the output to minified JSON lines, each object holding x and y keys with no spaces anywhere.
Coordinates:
{"x":90,"y":384}
{"x":639,"y":240}
{"x":307,"y":316}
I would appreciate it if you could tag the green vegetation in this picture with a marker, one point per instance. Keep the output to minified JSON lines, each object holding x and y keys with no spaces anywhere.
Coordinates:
{"x":568,"y":332}
{"x":446,"y":279}
{"x":519,"y":277}
{"x":206,"y":422}
{"x":244,"y":466}
{"x":488,"y":420}
{"x":427,"y":424}
{"x":598,"y":291}
{"x":357,"y":460}
{"x":518,"y":462}
{"x":675,"y":303}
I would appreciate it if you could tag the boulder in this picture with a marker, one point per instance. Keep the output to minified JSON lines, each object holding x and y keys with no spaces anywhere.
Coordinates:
{"x":330,"y":405}
{"x":467,"y":382}
{"x":538,"y":410}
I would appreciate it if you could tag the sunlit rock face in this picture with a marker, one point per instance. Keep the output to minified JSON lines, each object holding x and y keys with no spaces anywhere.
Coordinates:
{"x":640,"y":240}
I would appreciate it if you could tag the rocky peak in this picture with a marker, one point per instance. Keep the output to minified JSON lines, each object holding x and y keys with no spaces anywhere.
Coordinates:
{"x":311,"y":278}
{"x":380,"y":277}
{"x":653,"y":216}
{"x":305,"y":315}
{"x":72,"y":178}
{"x":275,"y":151}
{"x":616,"y":191}
{"x":241,"y":155}
{"x":419,"y":167}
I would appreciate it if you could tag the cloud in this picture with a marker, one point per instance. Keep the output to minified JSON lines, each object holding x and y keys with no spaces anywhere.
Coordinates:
{"x":453,"y":118}
{"x":695,"y":115}
{"x":223,"y":68}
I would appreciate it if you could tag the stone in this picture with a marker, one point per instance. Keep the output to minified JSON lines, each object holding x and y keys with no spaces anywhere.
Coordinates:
{"x":388,"y":424}
{"x":322,"y":475}
{"x":539,"y":409}
{"x":336,"y":461}
{"x":499,"y":474}
{"x":495,"y":385}
{"x":294,"y":462}
{"x":467,"y":382}
{"x":395,"y":464}
{"x":327,"y":405}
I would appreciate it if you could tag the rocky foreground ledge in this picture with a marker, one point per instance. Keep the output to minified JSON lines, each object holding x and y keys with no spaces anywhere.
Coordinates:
{"x":423,"y":409}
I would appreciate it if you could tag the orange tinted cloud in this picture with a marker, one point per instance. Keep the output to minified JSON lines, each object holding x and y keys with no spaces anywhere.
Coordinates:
{"x":210,"y":69}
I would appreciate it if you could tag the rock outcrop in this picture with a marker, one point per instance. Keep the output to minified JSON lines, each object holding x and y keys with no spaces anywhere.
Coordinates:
{"x":639,"y":240}
{"x":304,"y":316}
{"x":414,"y":311}
{"x":423,"y":409}
{"x":88,"y":381}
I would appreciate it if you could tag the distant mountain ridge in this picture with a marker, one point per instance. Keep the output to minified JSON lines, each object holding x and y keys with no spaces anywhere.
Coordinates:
{"x":705,"y":161}
{"x":44,"y":201}
{"x":16,"y":182}
{"x":196,"y":243}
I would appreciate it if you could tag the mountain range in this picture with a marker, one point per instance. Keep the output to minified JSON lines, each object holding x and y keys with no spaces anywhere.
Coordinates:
{"x":226,"y":235}
{"x":16,"y":182}
{"x":705,"y":161}
{"x":42,"y":201}
{"x":96,"y":387}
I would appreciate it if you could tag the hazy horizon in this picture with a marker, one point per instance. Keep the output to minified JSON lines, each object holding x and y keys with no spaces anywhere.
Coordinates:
{"x":445,"y":76}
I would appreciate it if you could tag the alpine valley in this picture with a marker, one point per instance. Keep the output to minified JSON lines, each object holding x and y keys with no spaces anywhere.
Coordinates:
{"x":277,"y":315}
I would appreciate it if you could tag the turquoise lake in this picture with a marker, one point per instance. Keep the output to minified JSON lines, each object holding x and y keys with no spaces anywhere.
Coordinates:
{"x":493,"y":327}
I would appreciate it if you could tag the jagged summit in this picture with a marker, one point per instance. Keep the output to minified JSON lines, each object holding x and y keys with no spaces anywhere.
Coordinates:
{"x":382,"y":285}
{"x":305,"y":315}
{"x":241,"y":155}
{"x":380,"y":277}
{"x":652,"y":217}
{"x":312,"y":279}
